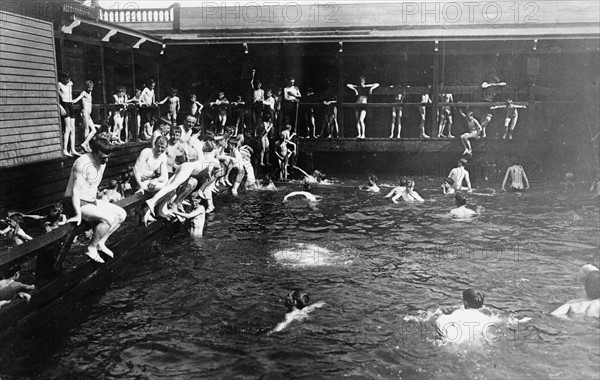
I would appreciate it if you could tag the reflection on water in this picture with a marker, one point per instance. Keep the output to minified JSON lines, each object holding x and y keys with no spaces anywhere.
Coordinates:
{"x":201,"y":308}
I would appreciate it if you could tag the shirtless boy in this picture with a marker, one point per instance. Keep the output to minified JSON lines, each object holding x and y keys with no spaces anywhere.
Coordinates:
{"x":86,"y":114}
{"x":150,"y":169}
{"x":174,"y":106}
{"x":468,"y":324}
{"x":460,"y":174}
{"x":589,"y":306}
{"x":80,"y":199}
{"x":409,"y":194}
{"x":511,"y":117}
{"x":65,"y":94}
{"x":517,"y":178}
{"x":474,"y":129}
{"x":461,"y":211}
{"x":398,"y":189}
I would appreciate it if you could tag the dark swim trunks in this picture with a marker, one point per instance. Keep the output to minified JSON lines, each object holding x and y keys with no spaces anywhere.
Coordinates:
{"x":68,"y":206}
{"x":68,"y":107}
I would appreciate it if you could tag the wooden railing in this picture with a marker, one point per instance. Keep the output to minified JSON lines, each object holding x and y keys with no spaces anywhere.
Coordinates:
{"x":43,"y":243}
{"x":137,"y":15}
{"x":129,"y":14}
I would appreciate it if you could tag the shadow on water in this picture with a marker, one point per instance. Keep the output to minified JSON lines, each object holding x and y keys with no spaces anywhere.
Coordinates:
{"x":201,"y":308}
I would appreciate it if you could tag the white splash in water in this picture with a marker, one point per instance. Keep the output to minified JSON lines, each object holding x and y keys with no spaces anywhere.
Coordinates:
{"x":301,"y":254}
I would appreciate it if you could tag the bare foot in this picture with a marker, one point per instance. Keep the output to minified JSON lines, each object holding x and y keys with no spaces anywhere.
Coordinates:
{"x":92,"y":253}
{"x":67,"y":153}
{"x":75,"y":153}
{"x":424,"y":136}
{"x":103,"y":248}
{"x":451,"y":137}
{"x":148,"y":218}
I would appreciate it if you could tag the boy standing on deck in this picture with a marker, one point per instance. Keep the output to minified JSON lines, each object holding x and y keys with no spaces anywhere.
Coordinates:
{"x":65,"y":87}
{"x":86,"y":114}
{"x":174,"y":106}
{"x":80,"y":201}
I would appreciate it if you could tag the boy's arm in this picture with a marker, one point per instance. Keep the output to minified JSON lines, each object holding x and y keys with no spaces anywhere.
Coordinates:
{"x":373,"y":86}
{"x":468,"y":180}
{"x":79,"y":97}
{"x":392,"y":192}
{"x":525,"y":178}
{"x":163,"y":101}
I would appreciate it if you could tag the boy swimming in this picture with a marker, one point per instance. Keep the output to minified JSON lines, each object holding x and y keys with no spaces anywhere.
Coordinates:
{"x":589,"y":306}
{"x":468,"y":324}
{"x":298,"y":309}
{"x":462,"y":211}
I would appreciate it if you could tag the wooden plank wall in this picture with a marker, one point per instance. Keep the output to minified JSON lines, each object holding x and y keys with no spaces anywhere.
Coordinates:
{"x":30,"y":126}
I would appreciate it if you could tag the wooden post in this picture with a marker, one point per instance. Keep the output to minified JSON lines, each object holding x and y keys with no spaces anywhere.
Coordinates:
{"x":340,"y":95}
{"x":103,"y":71}
{"x":133,"y":125}
{"x":435,"y":91}
{"x":157,"y":91}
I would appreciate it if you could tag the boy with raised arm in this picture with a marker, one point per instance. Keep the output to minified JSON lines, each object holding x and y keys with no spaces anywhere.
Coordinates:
{"x":174,"y":106}
{"x":511,"y":117}
{"x":80,"y":201}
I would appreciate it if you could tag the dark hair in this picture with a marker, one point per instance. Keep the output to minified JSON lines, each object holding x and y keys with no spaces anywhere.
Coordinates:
{"x":473,"y":298}
{"x":403,"y":181}
{"x":462,"y":161}
{"x":298,"y":298}
{"x":65,"y":75}
{"x":460,"y":199}
{"x":592,"y":285}
{"x":373,"y":178}
{"x":101,"y":145}
{"x":307,"y":186}
{"x":450,"y":181}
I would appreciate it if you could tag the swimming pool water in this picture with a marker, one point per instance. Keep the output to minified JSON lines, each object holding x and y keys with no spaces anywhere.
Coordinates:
{"x":201,"y":308}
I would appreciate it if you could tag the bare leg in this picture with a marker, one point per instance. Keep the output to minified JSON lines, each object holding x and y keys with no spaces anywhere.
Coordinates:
{"x":363,"y":115}
{"x":422,"y":125}
{"x":449,"y":117}
{"x":484,"y":124}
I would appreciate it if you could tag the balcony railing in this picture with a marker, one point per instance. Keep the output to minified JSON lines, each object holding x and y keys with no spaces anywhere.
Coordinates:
{"x":133,"y":14}
{"x":137,"y":15}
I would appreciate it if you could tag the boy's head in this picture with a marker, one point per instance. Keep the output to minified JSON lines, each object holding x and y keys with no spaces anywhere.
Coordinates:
{"x":307,"y":186}
{"x":175,"y":133}
{"x":193,"y":97}
{"x":151,"y":83}
{"x":449,"y":181}
{"x":373,"y":178}
{"x":473,"y":299}
{"x":65,"y":76}
{"x":266,"y":180}
{"x":462,"y":162}
{"x":173,"y":91}
{"x":402,"y":182}
{"x":296,"y":299}
{"x":410,"y":183}
{"x":318,"y":176}
{"x":269,"y":93}
{"x":460,"y":199}
{"x":592,"y":285}
{"x":101,"y":147}
{"x":121,"y":90}
{"x":89,"y":85}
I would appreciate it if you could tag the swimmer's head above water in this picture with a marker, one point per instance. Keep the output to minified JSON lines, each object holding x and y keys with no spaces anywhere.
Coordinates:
{"x":592,"y":285}
{"x":460,"y":199}
{"x":307,"y":186}
{"x":318,"y":176}
{"x":473,"y":299}
{"x":296,"y":299}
